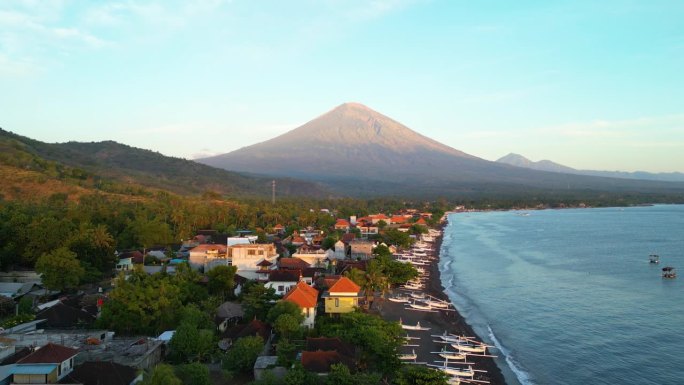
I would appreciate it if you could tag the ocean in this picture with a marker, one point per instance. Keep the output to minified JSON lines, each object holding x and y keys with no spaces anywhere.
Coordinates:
{"x":569,"y":296}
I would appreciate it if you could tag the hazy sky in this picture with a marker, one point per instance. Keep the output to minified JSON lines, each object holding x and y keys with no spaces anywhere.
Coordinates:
{"x":590,"y":84}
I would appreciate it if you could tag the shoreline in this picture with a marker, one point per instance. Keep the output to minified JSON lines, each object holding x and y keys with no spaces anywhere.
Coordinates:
{"x":439,"y":322}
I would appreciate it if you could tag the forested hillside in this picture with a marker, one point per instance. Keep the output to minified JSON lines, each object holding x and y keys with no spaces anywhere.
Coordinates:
{"x":34,"y":168}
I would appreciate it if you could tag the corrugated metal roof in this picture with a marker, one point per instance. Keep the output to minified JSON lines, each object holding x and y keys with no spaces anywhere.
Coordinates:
{"x":34,"y":369}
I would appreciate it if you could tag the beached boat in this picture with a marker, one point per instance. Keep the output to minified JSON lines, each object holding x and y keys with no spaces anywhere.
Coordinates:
{"x":465,"y":372}
{"x":399,"y":299}
{"x":407,"y":357}
{"x":417,"y":306}
{"x":451,"y":355}
{"x":418,"y":295}
{"x":438,"y":303}
{"x":470,"y":348}
{"x":412,"y":327}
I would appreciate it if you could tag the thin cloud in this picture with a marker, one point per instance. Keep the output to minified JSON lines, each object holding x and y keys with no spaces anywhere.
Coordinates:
{"x":624,"y":128}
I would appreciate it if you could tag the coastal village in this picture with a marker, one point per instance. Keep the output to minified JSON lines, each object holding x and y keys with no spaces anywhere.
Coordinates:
{"x":289,"y":305}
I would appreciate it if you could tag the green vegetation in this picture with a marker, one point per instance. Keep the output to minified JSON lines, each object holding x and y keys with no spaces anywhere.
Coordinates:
{"x":60,"y":269}
{"x":162,"y":374}
{"x":286,"y":318}
{"x":194,"y":337}
{"x":420,"y":375}
{"x":243,"y":354}
{"x":257,"y":300}
{"x":193,"y":374}
{"x":378,"y":340}
{"x":120,"y":169}
{"x":222,"y":281}
{"x":151,"y":304}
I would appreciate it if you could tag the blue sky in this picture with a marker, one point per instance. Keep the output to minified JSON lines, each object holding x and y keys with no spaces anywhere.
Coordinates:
{"x":590,"y":84}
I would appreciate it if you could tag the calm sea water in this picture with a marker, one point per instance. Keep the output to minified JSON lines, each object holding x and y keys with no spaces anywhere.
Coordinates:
{"x":569,"y":296}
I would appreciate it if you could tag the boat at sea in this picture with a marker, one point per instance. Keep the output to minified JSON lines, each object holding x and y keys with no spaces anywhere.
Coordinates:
{"x":654,"y":258}
{"x":669,"y":272}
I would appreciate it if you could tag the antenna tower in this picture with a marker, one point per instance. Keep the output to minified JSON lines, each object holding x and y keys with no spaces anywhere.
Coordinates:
{"x":273,"y":186}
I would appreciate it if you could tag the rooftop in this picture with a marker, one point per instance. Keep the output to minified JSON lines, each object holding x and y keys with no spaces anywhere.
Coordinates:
{"x":49,"y":354}
{"x":303,"y":295}
{"x":344,"y":285}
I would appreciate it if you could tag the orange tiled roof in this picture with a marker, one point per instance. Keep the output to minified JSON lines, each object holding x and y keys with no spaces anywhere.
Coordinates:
{"x":342,"y":222}
{"x":344,"y":285}
{"x":303,"y":295}
{"x":421,"y":221}
{"x":398,"y":219}
{"x":221,"y":248}
{"x":292,"y":263}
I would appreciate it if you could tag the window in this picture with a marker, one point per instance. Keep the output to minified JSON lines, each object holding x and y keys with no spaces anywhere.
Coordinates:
{"x":337,"y":302}
{"x":261,"y":252}
{"x":251,"y":252}
{"x":281,"y":288}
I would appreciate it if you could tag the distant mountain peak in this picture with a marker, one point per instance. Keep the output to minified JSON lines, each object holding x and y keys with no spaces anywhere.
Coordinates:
{"x":547,"y":165}
{"x":543,"y":165}
{"x":350,"y":135}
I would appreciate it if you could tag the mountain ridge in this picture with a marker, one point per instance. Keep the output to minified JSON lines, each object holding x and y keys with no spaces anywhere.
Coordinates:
{"x":355,"y":149}
{"x":109,"y":162}
{"x":547,"y":165}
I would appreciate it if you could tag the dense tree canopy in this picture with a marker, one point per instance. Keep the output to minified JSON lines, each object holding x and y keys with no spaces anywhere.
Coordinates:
{"x":150,"y":304}
{"x":162,"y":374}
{"x":257,"y":300}
{"x":193,"y":339}
{"x":243,"y":354}
{"x":194,"y":373}
{"x":60,"y":269}
{"x":222,"y":281}
{"x":379,"y":340}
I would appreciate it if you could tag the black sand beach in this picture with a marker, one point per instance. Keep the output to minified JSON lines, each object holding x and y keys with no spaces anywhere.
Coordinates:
{"x":438,"y":322}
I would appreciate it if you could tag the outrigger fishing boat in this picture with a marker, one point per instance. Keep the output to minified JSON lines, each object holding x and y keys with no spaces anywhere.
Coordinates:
{"x":654,"y":258}
{"x":399,"y":299}
{"x":451,"y":355}
{"x":470,"y":348}
{"x":418,"y":307}
{"x":412,"y":327}
{"x":408,"y":357}
{"x":669,"y":272}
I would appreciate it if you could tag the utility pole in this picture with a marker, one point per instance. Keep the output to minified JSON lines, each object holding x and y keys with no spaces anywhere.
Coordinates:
{"x":273,"y":185}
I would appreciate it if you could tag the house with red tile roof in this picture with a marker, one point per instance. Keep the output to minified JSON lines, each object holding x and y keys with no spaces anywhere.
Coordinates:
{"x":306,"y":297}
{"x":342,"y":224}
{"x":421,"y":222}
{"x":297,"y":240}
{"x":379,"y":217}
{"x":398,"y":219}
{"x":48,"y":364}
{"x":292,"y":264}
{"x":342,"y":297}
